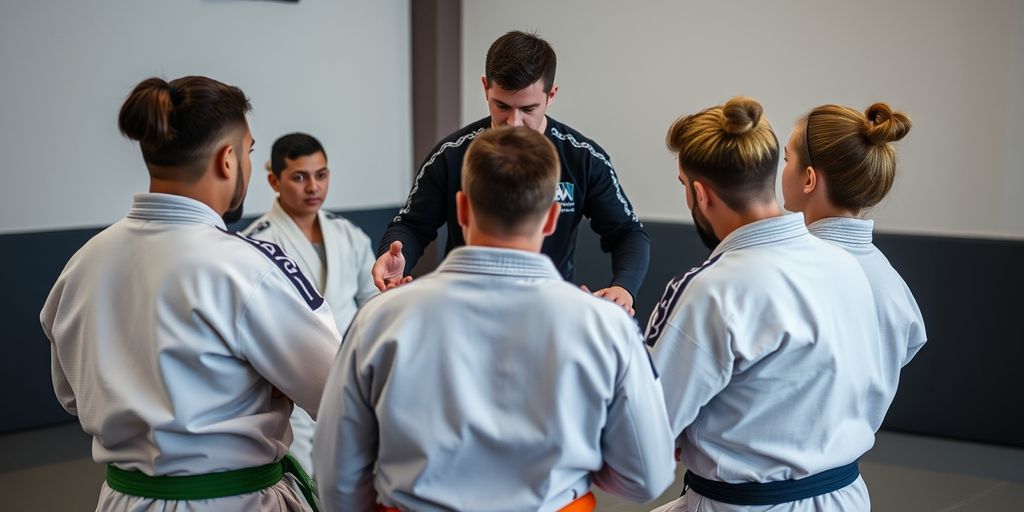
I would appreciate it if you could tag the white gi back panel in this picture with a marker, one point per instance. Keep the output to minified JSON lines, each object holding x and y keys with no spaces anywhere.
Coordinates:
{"x":338,"y":69}
{"x":628,"y":69}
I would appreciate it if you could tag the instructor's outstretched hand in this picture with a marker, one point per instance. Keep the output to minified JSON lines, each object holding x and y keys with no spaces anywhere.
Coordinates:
{"x":616,"y":294}
{"x":388,"y":269}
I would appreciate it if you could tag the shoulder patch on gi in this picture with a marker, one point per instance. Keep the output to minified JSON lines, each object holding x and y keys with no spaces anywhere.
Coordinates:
{"x":332,"y":215}
{"x":262,"y":226}
{"x":290,"y":269}
{"x":673,"y":290}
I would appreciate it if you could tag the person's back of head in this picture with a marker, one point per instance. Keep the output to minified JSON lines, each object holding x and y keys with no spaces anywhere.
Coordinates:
{"x":290,"y":147}
{"x":510,"y":176}
{"x":179,"y":123}
{"x":852,"y":150}
{"x":516,"y":60}
{"x":732,"y":147}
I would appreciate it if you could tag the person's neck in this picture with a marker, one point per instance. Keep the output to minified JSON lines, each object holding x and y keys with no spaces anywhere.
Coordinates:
{"x":475,"y":237}
{"x":309,"y":224}
{"x":731,"y":220}
{"x":195,"y":191}
{"x":817,"y":210}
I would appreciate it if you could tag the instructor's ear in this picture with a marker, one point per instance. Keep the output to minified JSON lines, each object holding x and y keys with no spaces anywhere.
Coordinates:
{"x":552,"y":93}
{"x":483,"y":80}
{"x":275,"y":184}
{"x":551,"y":218}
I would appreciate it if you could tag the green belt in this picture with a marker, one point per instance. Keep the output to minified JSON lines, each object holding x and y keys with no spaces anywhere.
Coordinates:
{"x":211,"y":485}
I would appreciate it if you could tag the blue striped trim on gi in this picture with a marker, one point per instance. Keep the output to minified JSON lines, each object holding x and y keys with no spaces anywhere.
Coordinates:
{"x":290,"y":269}
{"x":673,"y":290}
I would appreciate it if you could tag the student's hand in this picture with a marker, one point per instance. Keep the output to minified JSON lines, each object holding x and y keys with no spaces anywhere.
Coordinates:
{"x":387,"y":270}
{"x":616,"y":294}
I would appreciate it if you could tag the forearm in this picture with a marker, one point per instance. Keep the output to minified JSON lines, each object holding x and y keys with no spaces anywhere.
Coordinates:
{"x":346,"y":437}
{"x":637,"y":442}
{"x":61,"y":386}
{"x":343,"y":493}
{"x":630,"y":253}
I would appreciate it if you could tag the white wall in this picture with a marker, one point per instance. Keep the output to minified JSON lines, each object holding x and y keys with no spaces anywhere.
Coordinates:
{"x":338,"y":69}
{"x":628,"y":69}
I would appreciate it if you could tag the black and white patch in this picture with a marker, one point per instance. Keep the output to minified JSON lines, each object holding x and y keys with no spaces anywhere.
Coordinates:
{"x":673,"y":290}
{"x":290,"y":269}
{"x":262,"y":226}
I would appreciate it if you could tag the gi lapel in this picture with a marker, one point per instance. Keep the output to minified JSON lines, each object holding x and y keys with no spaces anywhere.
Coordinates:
{"x":296,"y":245}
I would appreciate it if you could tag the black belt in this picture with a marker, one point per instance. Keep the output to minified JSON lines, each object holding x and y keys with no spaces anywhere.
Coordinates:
{"x":773,"y":493}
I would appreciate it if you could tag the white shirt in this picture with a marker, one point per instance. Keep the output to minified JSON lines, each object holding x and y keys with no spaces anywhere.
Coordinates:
{"x":490,"y":384}
{"x":767,"y":355}
{"x":169,"y":336}
{"x":899,"y":317}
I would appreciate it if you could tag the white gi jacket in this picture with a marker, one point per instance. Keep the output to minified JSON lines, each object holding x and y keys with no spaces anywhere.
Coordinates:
{"x":346,"y":283}
{"x":899,"y":318}
{"x":169,"y":336}
{"x":767,"y":353}
{"x":490,"y":384}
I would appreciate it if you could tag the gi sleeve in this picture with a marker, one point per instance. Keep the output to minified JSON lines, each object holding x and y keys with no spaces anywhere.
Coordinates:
{"x":636,"y":442}
{"x":916,"y":335}
{"x":346,"y":437}
{"x":613,"y":218}
{"x":692,"y":353}
{"x":287,"y":342}
{"x":61,"y":386}
{"x":417,"y":222}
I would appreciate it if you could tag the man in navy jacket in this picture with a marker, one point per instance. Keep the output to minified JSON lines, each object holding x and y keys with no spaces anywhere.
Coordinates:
{"x":519,"y":86}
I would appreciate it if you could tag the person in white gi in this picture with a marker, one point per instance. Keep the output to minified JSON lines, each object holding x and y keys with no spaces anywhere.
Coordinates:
{"x":852,"y":169}
{"x":333,"y":252}
{"x":179,"y":345}
{"x":492,"y":384}
{"x":767,"y":350}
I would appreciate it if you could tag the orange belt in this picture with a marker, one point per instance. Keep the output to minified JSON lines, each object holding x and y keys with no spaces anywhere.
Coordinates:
{"x":585,"y":503}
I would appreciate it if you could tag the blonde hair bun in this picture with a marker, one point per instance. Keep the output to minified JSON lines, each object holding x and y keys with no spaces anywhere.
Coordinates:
{"x":740,"y":115}
{"x":884,"y":126}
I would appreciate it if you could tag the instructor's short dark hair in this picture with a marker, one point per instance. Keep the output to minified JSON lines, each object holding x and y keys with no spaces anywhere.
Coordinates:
{"x":292,"y":146}
{"x":510,"y":175}
{"x":516,"y":60}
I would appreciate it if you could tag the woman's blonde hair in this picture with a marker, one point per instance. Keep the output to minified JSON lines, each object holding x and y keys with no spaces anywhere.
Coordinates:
{"x":732,"y":146}
{"x":853,"y":151}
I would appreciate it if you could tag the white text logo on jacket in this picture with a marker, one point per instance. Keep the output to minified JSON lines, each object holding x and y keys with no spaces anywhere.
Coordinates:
{"x":565,"y":196}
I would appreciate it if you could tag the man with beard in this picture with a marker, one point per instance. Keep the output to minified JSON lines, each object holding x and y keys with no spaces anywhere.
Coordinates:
{"x":766,"y":350}
{"x":181,"y":347}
